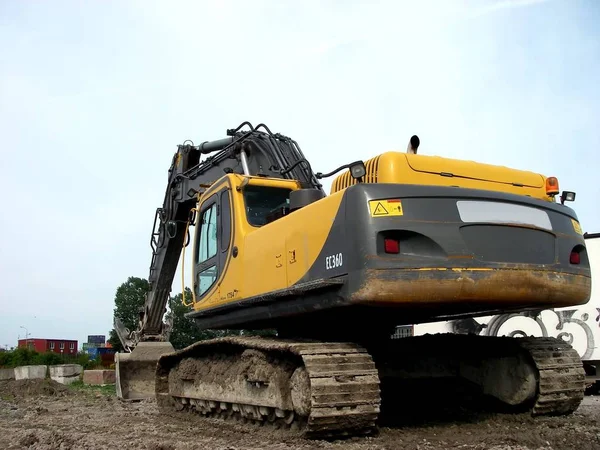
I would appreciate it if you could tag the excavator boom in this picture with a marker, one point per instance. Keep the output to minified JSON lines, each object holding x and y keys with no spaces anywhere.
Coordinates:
{"x":256,"y":151}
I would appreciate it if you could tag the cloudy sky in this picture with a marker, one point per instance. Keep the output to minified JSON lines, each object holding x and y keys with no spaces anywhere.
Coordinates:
{"x":95,"y":96}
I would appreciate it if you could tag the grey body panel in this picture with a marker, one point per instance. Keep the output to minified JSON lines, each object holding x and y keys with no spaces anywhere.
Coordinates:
{"x":435,"y":235}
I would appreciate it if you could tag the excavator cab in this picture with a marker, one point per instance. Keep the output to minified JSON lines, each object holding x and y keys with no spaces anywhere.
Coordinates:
{"x":231,"y":215}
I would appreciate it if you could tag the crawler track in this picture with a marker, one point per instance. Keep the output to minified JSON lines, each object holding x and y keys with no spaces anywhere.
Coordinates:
{"x":542,"y":375}
{"x":561,"y":384}
{"x":328,"y":390}
{"x":321,"y":390}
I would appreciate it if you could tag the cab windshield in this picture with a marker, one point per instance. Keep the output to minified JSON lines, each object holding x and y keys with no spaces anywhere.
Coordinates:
{"x":265,"y":204}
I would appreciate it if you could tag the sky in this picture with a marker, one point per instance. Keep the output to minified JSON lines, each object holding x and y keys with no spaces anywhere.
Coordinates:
{"x":95,"y":96}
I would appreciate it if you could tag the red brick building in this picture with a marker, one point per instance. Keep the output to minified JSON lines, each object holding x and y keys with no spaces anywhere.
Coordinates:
{"x":64,"y":346}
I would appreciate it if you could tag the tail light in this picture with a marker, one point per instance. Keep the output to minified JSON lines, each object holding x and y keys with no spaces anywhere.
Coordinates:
{"x":391,"y":245}
{"x":552,"y":186}
{"x":575,"y":257}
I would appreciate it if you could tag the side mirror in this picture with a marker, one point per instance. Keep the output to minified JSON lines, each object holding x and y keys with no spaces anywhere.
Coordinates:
{"x":567,"y":196}
{"x":358,"y":170}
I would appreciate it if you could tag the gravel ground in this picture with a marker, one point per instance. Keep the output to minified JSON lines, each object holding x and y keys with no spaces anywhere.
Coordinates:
{"x":45,"y":415}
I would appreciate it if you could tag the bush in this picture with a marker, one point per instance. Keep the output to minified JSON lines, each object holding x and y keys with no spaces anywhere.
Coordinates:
{"x":84,"y":360}
{"x":48,"y":359}
{"x":25,"y":357}
{"x":20,"y":357}
{"x":5,"y":359}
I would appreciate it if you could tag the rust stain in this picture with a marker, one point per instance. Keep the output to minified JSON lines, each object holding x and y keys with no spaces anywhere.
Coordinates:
{"x":455,"y":269}
{"x":400,"y":258}
{"x":476,"y":288}
{"x":460,"y":257}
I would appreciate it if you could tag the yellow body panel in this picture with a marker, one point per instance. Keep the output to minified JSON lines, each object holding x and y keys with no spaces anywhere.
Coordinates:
{"x":297,"y":247}
{"x":273,"y":256}
{"x":405,"y":168}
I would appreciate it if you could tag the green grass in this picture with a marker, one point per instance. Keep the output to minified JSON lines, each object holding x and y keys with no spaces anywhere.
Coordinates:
{"x":79,"y":386}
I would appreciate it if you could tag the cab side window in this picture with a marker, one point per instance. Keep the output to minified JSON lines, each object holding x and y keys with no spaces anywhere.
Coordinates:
{"x":207,"y":244}
{"x":207,"y":249}
{"x":206,"y":278}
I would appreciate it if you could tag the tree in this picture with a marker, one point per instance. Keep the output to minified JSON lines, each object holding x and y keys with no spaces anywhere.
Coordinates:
{"x":185,"y":332}
{"x":129,"y":298}
{"x":114,"y":341}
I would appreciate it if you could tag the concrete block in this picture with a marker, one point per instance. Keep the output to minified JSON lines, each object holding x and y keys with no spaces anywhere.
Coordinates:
{"x":65,"y":373}
{"x":30,"y":372}
{"x":7,"y":374}
{"x":99,"y":377}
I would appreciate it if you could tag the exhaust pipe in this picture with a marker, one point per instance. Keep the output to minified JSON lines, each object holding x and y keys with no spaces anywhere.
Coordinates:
{"x":413,"y":145}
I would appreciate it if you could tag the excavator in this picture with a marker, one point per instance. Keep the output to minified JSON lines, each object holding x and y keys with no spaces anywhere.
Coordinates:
{"x":402,"y":238}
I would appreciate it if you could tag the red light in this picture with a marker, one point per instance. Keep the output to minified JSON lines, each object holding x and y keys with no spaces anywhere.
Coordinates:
{"x":575,"y":259}
{"x":392,"y":246}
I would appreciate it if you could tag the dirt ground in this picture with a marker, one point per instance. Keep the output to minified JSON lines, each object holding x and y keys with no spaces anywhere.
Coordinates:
{"x":45,"y":415}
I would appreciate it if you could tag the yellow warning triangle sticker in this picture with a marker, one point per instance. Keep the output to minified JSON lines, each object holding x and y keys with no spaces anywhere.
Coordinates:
{"x":380,"y":210}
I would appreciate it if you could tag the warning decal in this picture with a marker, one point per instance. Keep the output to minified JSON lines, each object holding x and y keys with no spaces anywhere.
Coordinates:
{"x":380,"y":210}
{"x":385,"y":208}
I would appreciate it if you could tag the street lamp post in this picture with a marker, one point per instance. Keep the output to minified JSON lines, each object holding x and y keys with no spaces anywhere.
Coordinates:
{"x":26,"y":336}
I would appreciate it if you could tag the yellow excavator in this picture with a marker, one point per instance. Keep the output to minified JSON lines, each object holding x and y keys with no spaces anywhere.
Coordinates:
{"x":402,"y":238}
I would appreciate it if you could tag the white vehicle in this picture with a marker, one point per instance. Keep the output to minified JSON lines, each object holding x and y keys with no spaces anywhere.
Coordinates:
{"x":578,"y":326}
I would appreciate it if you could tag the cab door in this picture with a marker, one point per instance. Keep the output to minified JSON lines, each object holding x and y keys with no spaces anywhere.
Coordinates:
{"x":213,"y":233}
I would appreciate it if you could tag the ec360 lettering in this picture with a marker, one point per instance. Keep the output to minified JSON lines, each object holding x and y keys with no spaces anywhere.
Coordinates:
{"x":333,"y":261}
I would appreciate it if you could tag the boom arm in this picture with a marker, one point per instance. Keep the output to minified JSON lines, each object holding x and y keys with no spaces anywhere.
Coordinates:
{"x":253,"y":152}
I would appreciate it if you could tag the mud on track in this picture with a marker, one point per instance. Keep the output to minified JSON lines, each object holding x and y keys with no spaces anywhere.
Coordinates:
{"x":47,"y":416}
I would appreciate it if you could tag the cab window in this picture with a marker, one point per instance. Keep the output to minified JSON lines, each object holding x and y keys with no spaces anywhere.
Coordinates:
{"x":207,"y":244}
{"x":206,"y":278}
{"x":265,"y":203}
